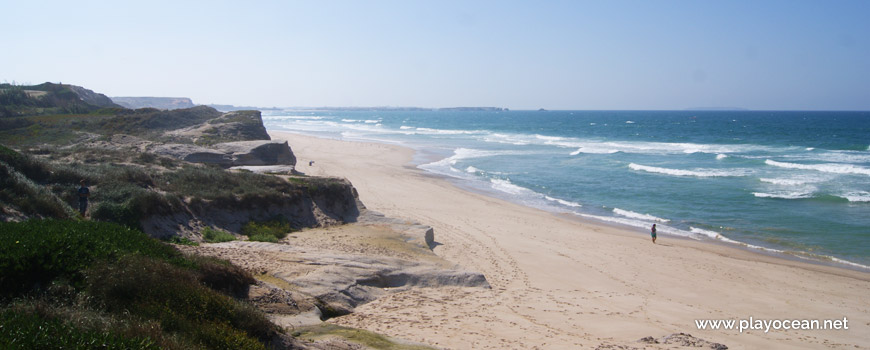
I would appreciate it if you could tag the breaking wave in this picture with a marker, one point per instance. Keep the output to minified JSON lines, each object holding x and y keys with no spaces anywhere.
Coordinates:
{"x":633,"y":215}
{"x":835,"y":168}
{"x":695,"y":173}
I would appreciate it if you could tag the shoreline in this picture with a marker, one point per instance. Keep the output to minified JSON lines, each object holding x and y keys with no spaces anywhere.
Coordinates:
{"x":420,"y":158}
{"x":498,"y":238}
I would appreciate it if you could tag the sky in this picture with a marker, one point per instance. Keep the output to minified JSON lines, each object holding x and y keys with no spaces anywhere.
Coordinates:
{"x":582,"y":55}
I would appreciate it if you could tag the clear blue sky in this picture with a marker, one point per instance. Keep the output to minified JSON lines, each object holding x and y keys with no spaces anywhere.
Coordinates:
{"x":521,"y":55}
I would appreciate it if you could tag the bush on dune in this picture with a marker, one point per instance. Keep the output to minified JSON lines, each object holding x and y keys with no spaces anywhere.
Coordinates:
{"x":155,"y":296}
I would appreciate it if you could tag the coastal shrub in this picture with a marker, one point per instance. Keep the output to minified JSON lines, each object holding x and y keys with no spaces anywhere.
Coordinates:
{"x":272,"y":230}
{"x":117,"y":213}
{"x":199,"y":182}
{"x":128,"y":204}
{"x":174,"y":298}
{"x":28,"y":197}
{"x":34,"y":253}
{"x":211,"y":235}
{"x":181,"y":241}
{"x":224,"y":277}
{"x":26,"y":330}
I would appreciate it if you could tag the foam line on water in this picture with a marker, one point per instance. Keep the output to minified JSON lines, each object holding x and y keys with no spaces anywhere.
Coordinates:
{"x":631,"y":214}
{"x":783,"y":195}
{"x":695,"y":172}
{"x":836,"y":168}
{"x":563,"y":202}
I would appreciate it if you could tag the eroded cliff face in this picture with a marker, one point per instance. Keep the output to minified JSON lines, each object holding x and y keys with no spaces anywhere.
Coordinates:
{"x":322,"y":202}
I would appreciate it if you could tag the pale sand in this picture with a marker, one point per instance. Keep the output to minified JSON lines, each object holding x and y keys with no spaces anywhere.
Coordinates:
{"x":558,"y":283}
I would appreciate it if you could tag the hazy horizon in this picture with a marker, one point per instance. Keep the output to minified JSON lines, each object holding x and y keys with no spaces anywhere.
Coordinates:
{"x":625,"y":55}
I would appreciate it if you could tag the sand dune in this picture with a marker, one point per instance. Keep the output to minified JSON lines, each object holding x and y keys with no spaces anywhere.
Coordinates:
{"x":559,"y":283}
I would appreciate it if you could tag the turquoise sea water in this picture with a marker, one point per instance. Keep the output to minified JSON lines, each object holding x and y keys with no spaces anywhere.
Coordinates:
{"x":795,"y":183}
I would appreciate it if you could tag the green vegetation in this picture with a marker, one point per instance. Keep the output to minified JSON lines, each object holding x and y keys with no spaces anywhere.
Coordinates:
{"x":40,"y":99}
{"x":86,"y":283}
{"x":211,"y":235}
{"x":29,"y":329}
{"x":366,"y":338}
{"x":272,"y":230}
{"x":181,"y":241}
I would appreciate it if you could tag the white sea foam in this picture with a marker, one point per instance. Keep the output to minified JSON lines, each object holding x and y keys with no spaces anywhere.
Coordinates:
{"x":506,"y":139}
{"x":629,"y":122}
{"x":563,"y":202}
{"x":858,"y":196}
{"x":837,"y":156}
{"x":472,"y":170}
{"x":633,"y":215}
{"x":715,"y":235}
{"x":835,"y":168}
{"x":721,"y":156}
{"x":371,"y":121}
{"x":634,"y":147}
{"x":786,"y":182}
{"x":351,"y":120}
{"x":292,"y":117}
{"x":695,"y":172}
{"x":549,"y":138}
{"x":793,"y":181}
{"x":448,"y":131}
{"x":506,"y":186}
{"x":640,"y":224}
{"x":405,"y":127}
{"x":696,"y":233}
{"x":591,"y":150}
{"x":784,"y":195}
{"x":445,"y":166}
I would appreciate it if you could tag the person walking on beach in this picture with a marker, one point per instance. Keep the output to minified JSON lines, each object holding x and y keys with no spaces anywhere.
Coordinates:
{"x":84,"y":193}
{"x":653,"y":233}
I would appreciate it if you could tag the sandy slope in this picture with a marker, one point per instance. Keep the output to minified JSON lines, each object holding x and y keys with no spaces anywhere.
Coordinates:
{"x":563,"y":284}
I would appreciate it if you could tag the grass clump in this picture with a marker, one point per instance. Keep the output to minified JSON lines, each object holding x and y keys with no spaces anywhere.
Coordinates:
{"x":272,"y":230}
{"x":211,"y":235}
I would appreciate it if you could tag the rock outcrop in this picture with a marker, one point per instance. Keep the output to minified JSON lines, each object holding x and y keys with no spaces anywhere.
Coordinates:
{"x":228,"y":127}
{"x":333,"y":202}
{"x":194,"y":154}
{"x":258,"y":152}
{"x":342,"y":267}
{"x":231,"y":154}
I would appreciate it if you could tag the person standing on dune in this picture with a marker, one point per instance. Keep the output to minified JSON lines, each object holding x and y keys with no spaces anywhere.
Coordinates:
{"x":84,"y":193}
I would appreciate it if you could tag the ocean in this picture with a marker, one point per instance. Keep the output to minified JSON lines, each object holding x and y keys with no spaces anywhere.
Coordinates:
{"x":787,"y":183}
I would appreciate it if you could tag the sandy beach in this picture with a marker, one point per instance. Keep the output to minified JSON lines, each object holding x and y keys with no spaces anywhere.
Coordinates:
{"x":561,"y":283}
